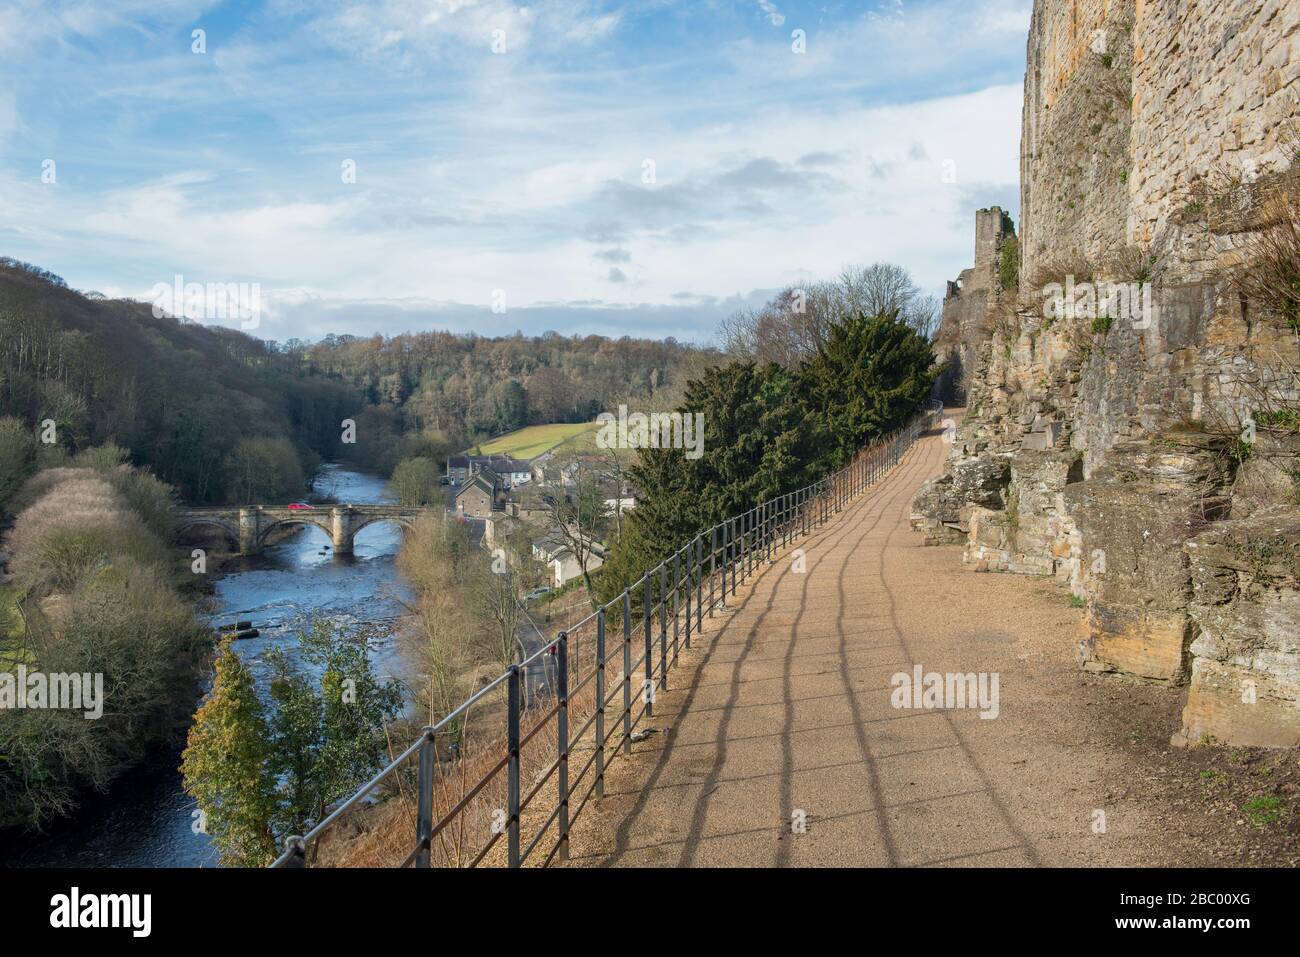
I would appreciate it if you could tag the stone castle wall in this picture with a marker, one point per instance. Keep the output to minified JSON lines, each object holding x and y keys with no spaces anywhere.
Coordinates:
{"x":1215,"y":83}
{"x":1104,"y":452}
{"x":1074,"y":151}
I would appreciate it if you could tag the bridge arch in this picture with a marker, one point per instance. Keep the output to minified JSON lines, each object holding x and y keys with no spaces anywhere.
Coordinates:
{"x":250,"y":525}
{"x":231,"y":533}
{"x":326,"y":525}
{"x":402,"y":520}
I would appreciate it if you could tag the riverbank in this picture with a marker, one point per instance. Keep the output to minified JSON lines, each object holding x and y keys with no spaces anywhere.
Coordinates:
{"x":146,"y":818}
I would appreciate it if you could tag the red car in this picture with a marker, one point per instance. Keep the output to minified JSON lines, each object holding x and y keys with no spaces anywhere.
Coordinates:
{"x":299,"y":506}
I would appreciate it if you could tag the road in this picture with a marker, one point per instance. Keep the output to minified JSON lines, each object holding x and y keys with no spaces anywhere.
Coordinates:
{"x":781,"y":746}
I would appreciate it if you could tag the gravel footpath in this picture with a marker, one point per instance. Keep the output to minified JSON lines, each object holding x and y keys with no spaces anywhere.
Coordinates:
{"x":780,"y":745}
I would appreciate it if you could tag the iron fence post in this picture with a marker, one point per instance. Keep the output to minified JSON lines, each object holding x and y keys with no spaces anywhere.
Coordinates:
{"x":512,"y":767}
{"x":726,"y":557}
{"x":663,"y":626}
{"x":749,"y":542}
{"x":677,"y":600}
{"x":627,"y":671}
{"x":713,"y":567}
{"x":424,"y":803}
{"x":562,"y":737}
{"x":735,"y":555}
{"x":699,"y":584}
{"x":647,"y":690}
{"x":690,"y":557}
{"x":600,"y":703}
{"x":770,"y":529}
{"x":745,"y":520}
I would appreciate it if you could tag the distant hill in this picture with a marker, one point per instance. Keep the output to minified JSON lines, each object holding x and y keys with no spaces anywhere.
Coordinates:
{"x":176,"y":394}
{"x":180,"y":396}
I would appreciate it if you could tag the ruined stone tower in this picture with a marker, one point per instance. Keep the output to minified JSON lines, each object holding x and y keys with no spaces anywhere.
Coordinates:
{"x":969,"y":299}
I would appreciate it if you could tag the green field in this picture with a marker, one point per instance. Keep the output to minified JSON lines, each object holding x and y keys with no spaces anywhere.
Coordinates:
{"x":532,"y":441}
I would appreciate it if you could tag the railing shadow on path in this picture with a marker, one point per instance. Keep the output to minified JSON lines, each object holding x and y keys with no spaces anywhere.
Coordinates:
{"x":470,"y":786}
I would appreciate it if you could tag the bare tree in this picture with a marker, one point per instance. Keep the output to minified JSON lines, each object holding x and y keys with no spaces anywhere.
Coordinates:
{"x":496,"y":599}
{"x":613,"y":466}
{"x":575,"y":512}
{"x":793,"y":325}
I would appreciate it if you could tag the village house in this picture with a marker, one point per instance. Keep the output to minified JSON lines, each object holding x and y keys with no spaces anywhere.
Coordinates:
{"x":561,"y":562}
{"x":480,"y":496}
{"x":510,"y":472}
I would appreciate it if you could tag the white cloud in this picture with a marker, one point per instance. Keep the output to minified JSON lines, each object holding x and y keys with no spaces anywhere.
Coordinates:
{"x":812,"y":223}
{"x":410,"y":33}
{"x":524,"y":175}
{"x":774,"y":16}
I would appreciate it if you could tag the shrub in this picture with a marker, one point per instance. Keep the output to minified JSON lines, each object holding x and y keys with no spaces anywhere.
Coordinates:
{"x":416,"y":481}
{"x":1270,"y":273}
{"x":73,"y":530}
{"x":1009,"y":264}
{"x":130,"y":627}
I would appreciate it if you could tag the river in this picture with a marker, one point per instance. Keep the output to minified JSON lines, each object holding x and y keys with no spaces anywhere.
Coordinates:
{"x":145,"y":820}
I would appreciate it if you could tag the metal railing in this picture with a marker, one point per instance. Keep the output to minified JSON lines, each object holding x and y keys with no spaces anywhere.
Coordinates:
{"x":663,"y":608}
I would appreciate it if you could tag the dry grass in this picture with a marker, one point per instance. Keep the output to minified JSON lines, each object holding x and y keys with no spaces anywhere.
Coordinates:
{"x":1268,"y":277}
{"x":1056,"y":270}
{"x":383,"y":836}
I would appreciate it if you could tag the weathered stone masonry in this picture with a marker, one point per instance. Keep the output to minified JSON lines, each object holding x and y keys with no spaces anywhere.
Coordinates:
{"x":1101,"y":452}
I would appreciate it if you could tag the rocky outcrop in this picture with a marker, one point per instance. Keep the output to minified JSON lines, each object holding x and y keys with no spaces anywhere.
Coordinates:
{"x":1134,"y":516}
{"x":1245,"y":608}
{"x":1143,"y":455}
{"x":943,"y":507}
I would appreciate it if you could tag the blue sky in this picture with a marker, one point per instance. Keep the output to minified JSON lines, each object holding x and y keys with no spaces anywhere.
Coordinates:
{"x":522,"y":170}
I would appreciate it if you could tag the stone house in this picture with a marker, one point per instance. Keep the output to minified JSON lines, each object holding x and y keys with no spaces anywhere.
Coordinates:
{"x":479,"y":496}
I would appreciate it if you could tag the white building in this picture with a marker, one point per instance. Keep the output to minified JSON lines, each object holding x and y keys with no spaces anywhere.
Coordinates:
{"x":562,"y":563}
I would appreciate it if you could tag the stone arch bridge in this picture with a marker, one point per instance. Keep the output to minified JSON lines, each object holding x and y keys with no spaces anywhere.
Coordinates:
{"x":248,"y":526}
